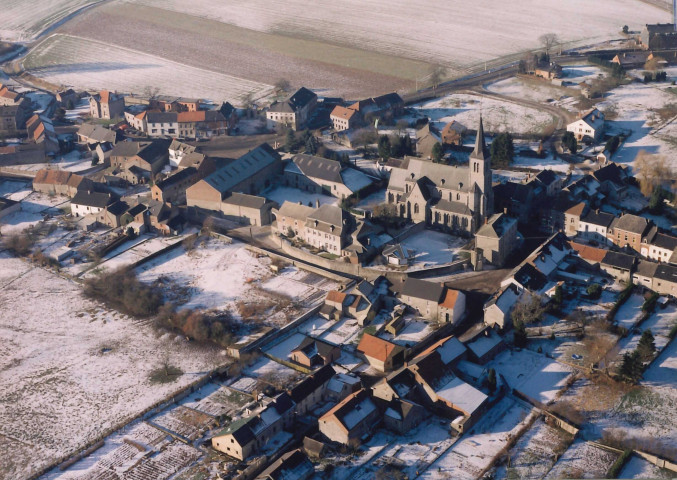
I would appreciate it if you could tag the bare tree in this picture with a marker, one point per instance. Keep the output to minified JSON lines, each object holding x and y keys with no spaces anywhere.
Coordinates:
{"x":529,"y":309}
{"x":548,"y":40}
{"x":247,"y":101}
{"x":653,"y":171}
{"x":437,"y":74}
{"x":151,"y":92}
{"x":282,"y":85}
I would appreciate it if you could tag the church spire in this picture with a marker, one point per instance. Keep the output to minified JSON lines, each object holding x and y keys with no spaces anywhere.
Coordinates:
{"x":480,"y":151}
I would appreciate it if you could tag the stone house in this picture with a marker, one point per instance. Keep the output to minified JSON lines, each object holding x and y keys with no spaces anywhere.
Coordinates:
{"x":342,"y":385}
{"x":453,"y":132}
{"x":659,"y":246}
{"x":293,"y":112}
{"x":324,"y":176}
{"x":381,"y":354}
{"x":351,"y":420}
{"x":629,"y":231}
{"x":388,"y":105}
{"x":402,"y":416}
{"x":658,"y":36}
{"x":178,"y":150}
{"x":249,"y":174}
{"x":312,"y":390}
{"x":514,"y":198}
{"x":550,"y":181}
{"x":137,"y":120}
{"x":291,"y":217}
{"x":248,"y":209}
{"x":106,"y":105}
{"x":327,"y":228}
{"x":618,"y":265}
{"x":665,"y":280}
{"x":446,"y":196}
{"x":595,"y":226}
{"x":433,"y":301}
{"x":91,"y":134}
{"x":613,"y":180}
{"x":88,"y":202}
{"x":451,"y":308}
{"x":161,"y":124}
{"x":572,"y":218}
{"x":245,"y":436}
{"x":313,"y":353}
{"x":426,"y":138}
{"x":497,"y":238}
{"x":291,"y":465}
{"x":644,"y":274}
{"x":201,"y":124}
{"x":112,"y":214}
{"x":172,"y":189}
{"x":137,"y":162}
{"x":11,"y":120}
{"x":499,"y":307}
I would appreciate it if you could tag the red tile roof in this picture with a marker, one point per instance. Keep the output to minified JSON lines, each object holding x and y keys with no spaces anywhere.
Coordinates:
{"x":343,"y":112}
{"x":377,"y":348}
{"x":336,"y":296}
{"x":450,"y":298}
{"x":589,"y":253}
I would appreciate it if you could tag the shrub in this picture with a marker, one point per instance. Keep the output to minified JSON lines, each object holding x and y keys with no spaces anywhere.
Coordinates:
{"x":615,"y":469}
{"x":594,"y":291}
{"x":123,"y":291}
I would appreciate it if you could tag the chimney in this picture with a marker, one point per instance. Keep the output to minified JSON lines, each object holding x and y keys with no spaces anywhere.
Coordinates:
{"x":317,"y":203}
{"x":486,"y":220}
{"x":505,"y":210}
{"x":300,"y":202}
{"x":597,"y":211}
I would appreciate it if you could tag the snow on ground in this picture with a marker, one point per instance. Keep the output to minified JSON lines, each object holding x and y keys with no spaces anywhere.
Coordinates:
{"x":583,"y":460}
{"x":431,"y":249}
{"x":269,"y":370}
{"x":550,"y":162}
{"x":581,"y":73}
{"x":498,"y":116}
{"x":93,"y":65}
{"x":632,"y":104}
{"x":660,"y":324}
{"x":80,"y":110}
{"x":40,"y":101}
{"x":533,"y":89}
{"x":315,"y":326}
{"x":283,"y":348}
{"x":414,"y":331}
{"x":32,"y":211}
{"x":535,"y":452}
{"x":72,"y":161}
{"x":343,"y":332}
{"x":294,"y":195}
{"x":472,"y":32}
{"x":630,"y":312}
{"x":71,"y":369}
{"x":23,"y":20}
{"x":8,"y":186}
{"x":476,"y":450}
{"x":139,"y":251}
{"x":533,"y":374}
{"x":351,"y":469}
{"x":637,"y":467}
{"x":370,"y":201}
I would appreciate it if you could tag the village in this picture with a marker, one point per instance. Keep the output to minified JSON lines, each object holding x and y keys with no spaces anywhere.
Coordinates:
{"x":470,"y":280}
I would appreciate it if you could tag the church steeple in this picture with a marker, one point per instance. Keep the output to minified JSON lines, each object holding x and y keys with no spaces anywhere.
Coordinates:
{"x":480,"y":152}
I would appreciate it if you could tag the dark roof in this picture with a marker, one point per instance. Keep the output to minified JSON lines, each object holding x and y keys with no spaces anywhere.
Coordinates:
{"x":226,"y":109}
{"x":311,"y":383}
{"x":416,"y":288}
{"x":319,"y":167}
{"x":611,"y":173}
{"x":178,"y":177}
{"x":128,"y":149}
{"x":518,"y":192}
{"x":388,"y":100}
{"x":118,"y":208}
{"x":6,"y":203}
{"x":619,"y":260}
{"x":547,"y":177}
{"x":298,"y":100}
{"x":240,"y":430}
{"x":244,"y":200}
{"x":662,"y":240}
{"x":92,"y":199}
{"x":480,"y":151}
{"x":597,"y":217}
{"x":291,"y":465}
{"x":283,"y":403}
{"x":157,"y":150}
{"x":162,"y":117}
{"x":666,"y":272}
{"x":135,"y":210}
{"x":530,"y":277}
{"x":646,"y":268}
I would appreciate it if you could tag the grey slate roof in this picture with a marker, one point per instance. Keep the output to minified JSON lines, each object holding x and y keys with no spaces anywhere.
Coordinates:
{"x":319,"y":167}
{"x":416,"y":288}
{"x":452,"y":207}
{"x":449,"y":176}
{"x":662,"y":240}
{"x":92,"y":199}
{"x":619,"y":260}
{"x":97,"y":133}
{"x":161,"y":117}
{"x":294,"y":210}
{"x":480,"y":151}
{"x":495,"y":226}
{"x":595,"y":217}
{"x":295,"y":102}
{"x":646,"y":268}
{"x":666,"y":272}
{"x":248,"y":165}
{"x":179,"y":176}
{"x":632,"y":223}
{"x":244,"y":200}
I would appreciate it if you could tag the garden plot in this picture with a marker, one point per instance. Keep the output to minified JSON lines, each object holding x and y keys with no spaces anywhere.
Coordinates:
{"x":315,"y":326}
{"x":549,"y":162}
{"x":344,"y":332}
{"x":414,"y":331}
{"x":637,"y":467}
{"x":474,"y":33}
{"x":534,"y":89}
{"x":272,"y":372}
{"x":283,"y":349}
{"x":583,"y":460}
{"x":185,"y":422}
{"x":353,"y":467}
{"x":533,"y":374}
{"x":476,"y":450}
{"x":294,"y":195}
{"x":139,"y":251}
{"x":630,"y":312}
{"x":23,"y":20}
{"x":214,"y":399}
{"x":534,"y":454}
{"x":87,"y":64}
{"x":68,"y":362}
{"x":498,"y":115}
{"x":300,"y":285}
{"x":660,"y":324}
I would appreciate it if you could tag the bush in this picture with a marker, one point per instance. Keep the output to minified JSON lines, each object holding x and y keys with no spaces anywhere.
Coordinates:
{"x":615,"y":469}
{"x":649,"y":304}
{"x":594,"y":291}
{"x":121,"y":289}
{"x":198,"y":326}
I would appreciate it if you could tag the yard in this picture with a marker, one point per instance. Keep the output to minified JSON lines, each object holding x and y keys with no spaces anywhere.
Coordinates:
{"x":431,"y":249}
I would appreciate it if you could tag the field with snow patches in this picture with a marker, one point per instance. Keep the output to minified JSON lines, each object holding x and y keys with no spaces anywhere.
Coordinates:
{"x":533,"y":374}
{"x":498,"y":115}
{"x":535,"y":452}
{"x":475,"y":451}
{"x":634,"y":105}
{"x":23,"y":20}
{"x":637,"y":467}
{"x":582,"y":460}
{"x":34,"y":207}
{"x":91,"y":64}
{"x":630,"y":312}
{"x":457,"y":34}
{"x":71,"y":369}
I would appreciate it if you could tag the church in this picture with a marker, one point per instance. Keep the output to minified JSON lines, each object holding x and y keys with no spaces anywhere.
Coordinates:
{"x":450,"y":197}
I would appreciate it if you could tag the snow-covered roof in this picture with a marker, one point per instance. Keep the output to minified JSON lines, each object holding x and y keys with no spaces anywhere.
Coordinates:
{"x":358,"y":413}
{"x":464,"y":396}
{"x":483,"y":344}
{"x":355,"y":180}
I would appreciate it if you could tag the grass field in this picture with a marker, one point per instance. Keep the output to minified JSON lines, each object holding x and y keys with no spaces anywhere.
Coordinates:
{"x":89,"y":64}
{"x":22,"y":20}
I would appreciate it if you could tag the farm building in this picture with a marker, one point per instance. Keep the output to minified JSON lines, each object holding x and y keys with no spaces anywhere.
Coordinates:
{"x":106,"y":105}
{"x":351,"y":420}
{"x":294,"y":112}
{"x":325,"y":176}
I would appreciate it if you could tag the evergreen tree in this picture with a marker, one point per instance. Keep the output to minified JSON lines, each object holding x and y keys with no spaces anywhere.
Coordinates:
{"x":290,"y":141}
{"x":557,"y":297}
{"x":631,"y":366}
{"x":569,"y":141}
{"x":520,"y":334}
{"x":384,"y":147}
{"x":311,"y":145}
{"x":646,"y":346}
{"x":502,"y":150}
{"x":613,"y":144}
{"x":491,"y":380}
{"x":656,"y":200}
{"x":437,"y":152}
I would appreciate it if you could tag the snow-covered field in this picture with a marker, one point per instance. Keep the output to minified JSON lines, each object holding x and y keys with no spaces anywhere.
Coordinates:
{"x":533,"y":374}
{"x":452,"y":33}
{"x":90,"y":64}
{"x":22,"y":20}
{"x":498,"y":116}
{"x":70,"y":369}
{"x":475,"y":451}
{"x":34,"y":207}
{"x":637,"y":467}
